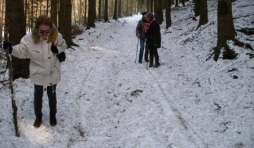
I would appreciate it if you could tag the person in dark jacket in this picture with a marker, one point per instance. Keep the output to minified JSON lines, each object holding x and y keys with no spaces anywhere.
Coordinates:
{"x":153,"y":38}
{"x":141,"y":35}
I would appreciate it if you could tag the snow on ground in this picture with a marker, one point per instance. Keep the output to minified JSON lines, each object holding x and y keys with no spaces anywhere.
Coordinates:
{"x":106,"y":100}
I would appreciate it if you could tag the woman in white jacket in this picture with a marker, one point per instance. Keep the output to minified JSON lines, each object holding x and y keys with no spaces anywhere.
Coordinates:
{"x":42,"y":47}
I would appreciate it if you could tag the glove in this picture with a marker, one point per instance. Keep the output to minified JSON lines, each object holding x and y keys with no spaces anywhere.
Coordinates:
{"x":61,"y":56}
{"x":7,"y":45}
{"x":54,"y":48}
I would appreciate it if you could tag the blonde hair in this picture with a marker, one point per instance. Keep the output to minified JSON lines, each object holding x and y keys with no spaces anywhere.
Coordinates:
{"x":43,"y":20}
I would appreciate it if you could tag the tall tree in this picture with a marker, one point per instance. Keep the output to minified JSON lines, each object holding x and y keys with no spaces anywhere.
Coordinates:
{"x":1,"y":20}
{"x":115,"y":11}
{"x":47,"y":7}
{"x":148,"y":6}
{"x":152,"y":5}
{"x":203,"y":13}
{"x":85,"y":18}
{"x":183,"y":2}
{"x":99,"y":10}
{"x":127,"y":8}
{"x":16,"y":28}
{"x":158,"y":11}
{"x":120,"y":8}
{"x":177,"y":3}
{"x":106,"y":12}
{"x":197,"y":7}
{"x":31,"y":13}
{"x":65,"y":21}
{"x":91,"y":13}
{"x":226,"y":30}
{"x":168,"y":14}
{"x":54,"y":11}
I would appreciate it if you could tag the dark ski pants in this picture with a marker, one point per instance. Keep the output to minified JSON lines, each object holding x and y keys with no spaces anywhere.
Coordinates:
{"x":38,"y":94}
{"x":141,"y":51}
{"x":153,"y":53}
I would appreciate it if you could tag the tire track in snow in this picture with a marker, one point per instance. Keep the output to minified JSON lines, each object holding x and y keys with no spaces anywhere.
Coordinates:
{"x":170,"y":105}
{"x":76,"y":126}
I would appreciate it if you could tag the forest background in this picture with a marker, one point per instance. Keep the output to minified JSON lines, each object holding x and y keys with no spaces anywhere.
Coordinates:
{"x":72,"y":17}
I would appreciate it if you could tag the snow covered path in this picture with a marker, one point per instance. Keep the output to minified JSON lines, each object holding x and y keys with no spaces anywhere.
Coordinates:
{"x":119,"y":103}
{"x":105,"y":100}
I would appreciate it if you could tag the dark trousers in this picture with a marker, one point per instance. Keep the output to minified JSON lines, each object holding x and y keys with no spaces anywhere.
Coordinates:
{"x":153,"y":53}
{"x":38,"y":94}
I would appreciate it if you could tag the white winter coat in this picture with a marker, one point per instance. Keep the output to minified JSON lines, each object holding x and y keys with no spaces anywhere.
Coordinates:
{"x":44,"y":65}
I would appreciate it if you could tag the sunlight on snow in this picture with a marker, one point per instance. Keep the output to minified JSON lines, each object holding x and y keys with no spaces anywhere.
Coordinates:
{"x":106,"y":50}
{"x":40,"y":136}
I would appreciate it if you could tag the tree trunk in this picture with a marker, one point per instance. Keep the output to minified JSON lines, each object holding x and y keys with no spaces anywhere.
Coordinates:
{"x":197,"y":7}
{"x":226,"y":30}
{"x":80,"y":11}
{"x":16,"y":28}
{"x":99,"y":10}
{"x":168,"y":14}
{"x":65,"y":21}
{"x":203,"y":13}
{"x":158,"y":11}
{"x":115,"y":10}
{"x":148,"y":5}
{"x":1,"y":20}
{"x":152,"y":5}
{"x":120,"y":8}
{"x":172,"y":2}
{"x":127,"y":8}
{"x":53,"y":11}
{"x":85,"y":18}
{"x":32,"y":12}
{"x":47,"y":7}
{"x":177,"y":3}
{"x":106,"y":11}
{"x":183,"y":2}
{"x":25,"y":12}
{"x":91,"y":14}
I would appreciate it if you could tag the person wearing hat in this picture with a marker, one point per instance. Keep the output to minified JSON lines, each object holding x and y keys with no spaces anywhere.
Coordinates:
{"x":153,"y":38}
{"x":141,"y":35}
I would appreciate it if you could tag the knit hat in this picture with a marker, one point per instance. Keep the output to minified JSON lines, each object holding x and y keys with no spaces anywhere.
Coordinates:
{"x":150,"y":15}
{"x":144,"y":13}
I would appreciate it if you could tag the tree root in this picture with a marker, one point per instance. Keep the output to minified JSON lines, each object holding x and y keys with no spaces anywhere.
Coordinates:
{"x":247,"y":31}
{"x":242,"y":16}
{"x":241,"y":44}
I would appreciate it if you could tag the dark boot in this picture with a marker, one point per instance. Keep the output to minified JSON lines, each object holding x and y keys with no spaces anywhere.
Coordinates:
{"x":151,"y":61}
{"x":38,"y":120}
{"x":52,"y":119}
{"x":157,"y":63}
{"x":146,"y":55}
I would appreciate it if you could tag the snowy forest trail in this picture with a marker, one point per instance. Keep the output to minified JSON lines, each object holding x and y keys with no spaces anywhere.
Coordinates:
{"x":106,"y":100}
{"x":112,"y":111}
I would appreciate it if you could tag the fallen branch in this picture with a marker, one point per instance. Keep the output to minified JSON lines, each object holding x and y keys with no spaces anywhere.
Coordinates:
{"x":243,"y":6}
{"x":3,"y":81}
{"x":241,"y":44}
{"x":247,"y":31}
{"x":242,"y":16}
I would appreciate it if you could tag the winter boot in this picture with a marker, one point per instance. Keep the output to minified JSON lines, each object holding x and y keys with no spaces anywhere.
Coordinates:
{"x":157,"y":63}
{"x":38,"y":120}
{"x":151,"y":61}
{"x":52,"y":119}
